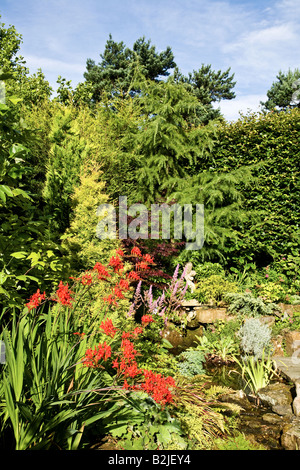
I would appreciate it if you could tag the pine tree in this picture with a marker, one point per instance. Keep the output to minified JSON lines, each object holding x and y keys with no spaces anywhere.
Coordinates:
{"x":114,"y":73}
{"x":285,"y":92}
{"x":167,"y":144}
{"x":209,"y":87}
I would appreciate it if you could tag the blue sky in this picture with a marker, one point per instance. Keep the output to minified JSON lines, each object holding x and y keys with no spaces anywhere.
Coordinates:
{"x":256,"y":38}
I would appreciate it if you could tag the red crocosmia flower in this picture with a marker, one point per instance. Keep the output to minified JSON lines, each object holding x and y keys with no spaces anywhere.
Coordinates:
{"x":79,"y":334}
{"x":102,"y":271}
{"x":134,"y":275}
{"x":138,"y":330}
{"x":136,"y":251}
{"x":120,"y":252}
{"x":158,"y":387}
{"x":115,"y":363}
{"x":123,"y":284}
{"x":64,"y":295}
{"x":86,"y":279}
{"x":131,"y":370}
{"x":126,"y":386}
{"x":128,"y":349}
{"x":148,"y":259}
{"x":93,"y":356}
{"x":142,"y":265}
{"x":146,"y":319}
{"x":35,"y":300}
{"x":108,"y":328}
{"x":126,"y":335}
{"x":110,"y":299}
{"x":118,"y":293}
{"x":116,"y":264}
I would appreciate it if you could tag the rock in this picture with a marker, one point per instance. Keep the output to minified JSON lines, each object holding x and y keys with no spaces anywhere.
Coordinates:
{"x":210,"y":315}
{"x":292,"y":342}
{"x":179,"y":341}
{"x":192,"y":303}
{"x":275,"y":394}
{"x":282,"y":410}
{"x":268,"y":320}
{"x":272,"y":418}
{"x":238,"y":398}
{"x":290,"y":438}
{"x":277,"y":346}
{"x":288,"y":309}
{"x":288,"y":367}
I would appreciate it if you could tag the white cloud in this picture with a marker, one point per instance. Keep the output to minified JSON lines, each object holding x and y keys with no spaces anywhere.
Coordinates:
{"x":232,"y":109}
{"x":53,"y":68}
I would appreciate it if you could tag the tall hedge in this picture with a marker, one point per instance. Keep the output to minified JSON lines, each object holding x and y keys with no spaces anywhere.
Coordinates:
{"x":273,"y":140}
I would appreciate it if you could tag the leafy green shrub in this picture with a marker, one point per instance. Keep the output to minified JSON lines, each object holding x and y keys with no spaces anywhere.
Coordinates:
{"x":213,"y":289}
{"x":220,"y":340}
{"x":143,"y":425}
{"x":254,"y":337}
{"x":248,"y":305}
{"x":41,"y":379}
{"x":236,"y":442}
{"x":294,"y":299}
{"x":80,"y":240}
{"x":208,"y":269}
{"x":28,"y":256}
{"x":67,"y":154}
{"x":256,"y":372}
{"x":272,"y":292}
{"x":201,"y":417}
{"x":191,"y":363}
{"x":271,"y":139}
{"x":290,"y":322}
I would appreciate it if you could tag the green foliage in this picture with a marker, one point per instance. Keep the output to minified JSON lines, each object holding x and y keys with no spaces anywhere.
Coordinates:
{"x":41,"y":380}
{"x":143,"y":425}
{"x":290,"y":322}
{"x":80,"y":239}
{"x":209,"y":87}
{"x":201,"y":418}
{"x":213,"y":289}
{"x":224,"y":208}
{"x":33,"y":89}
{"x":272,"y":140}
{"x":10,"y":41}
{"x":246,"y":304}
{"x":220,"y":340}
{"x":167,"y":145}
{"x":67,"y":154}
{"x":191,"y":363}
{"x":256,"y":372}
{"x":27,"y":254}
{"x":236,"y":442}
{"x":207,"y":269}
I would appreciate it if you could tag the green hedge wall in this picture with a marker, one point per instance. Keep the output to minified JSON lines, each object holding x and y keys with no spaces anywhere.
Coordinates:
{"x":273,"y":139}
